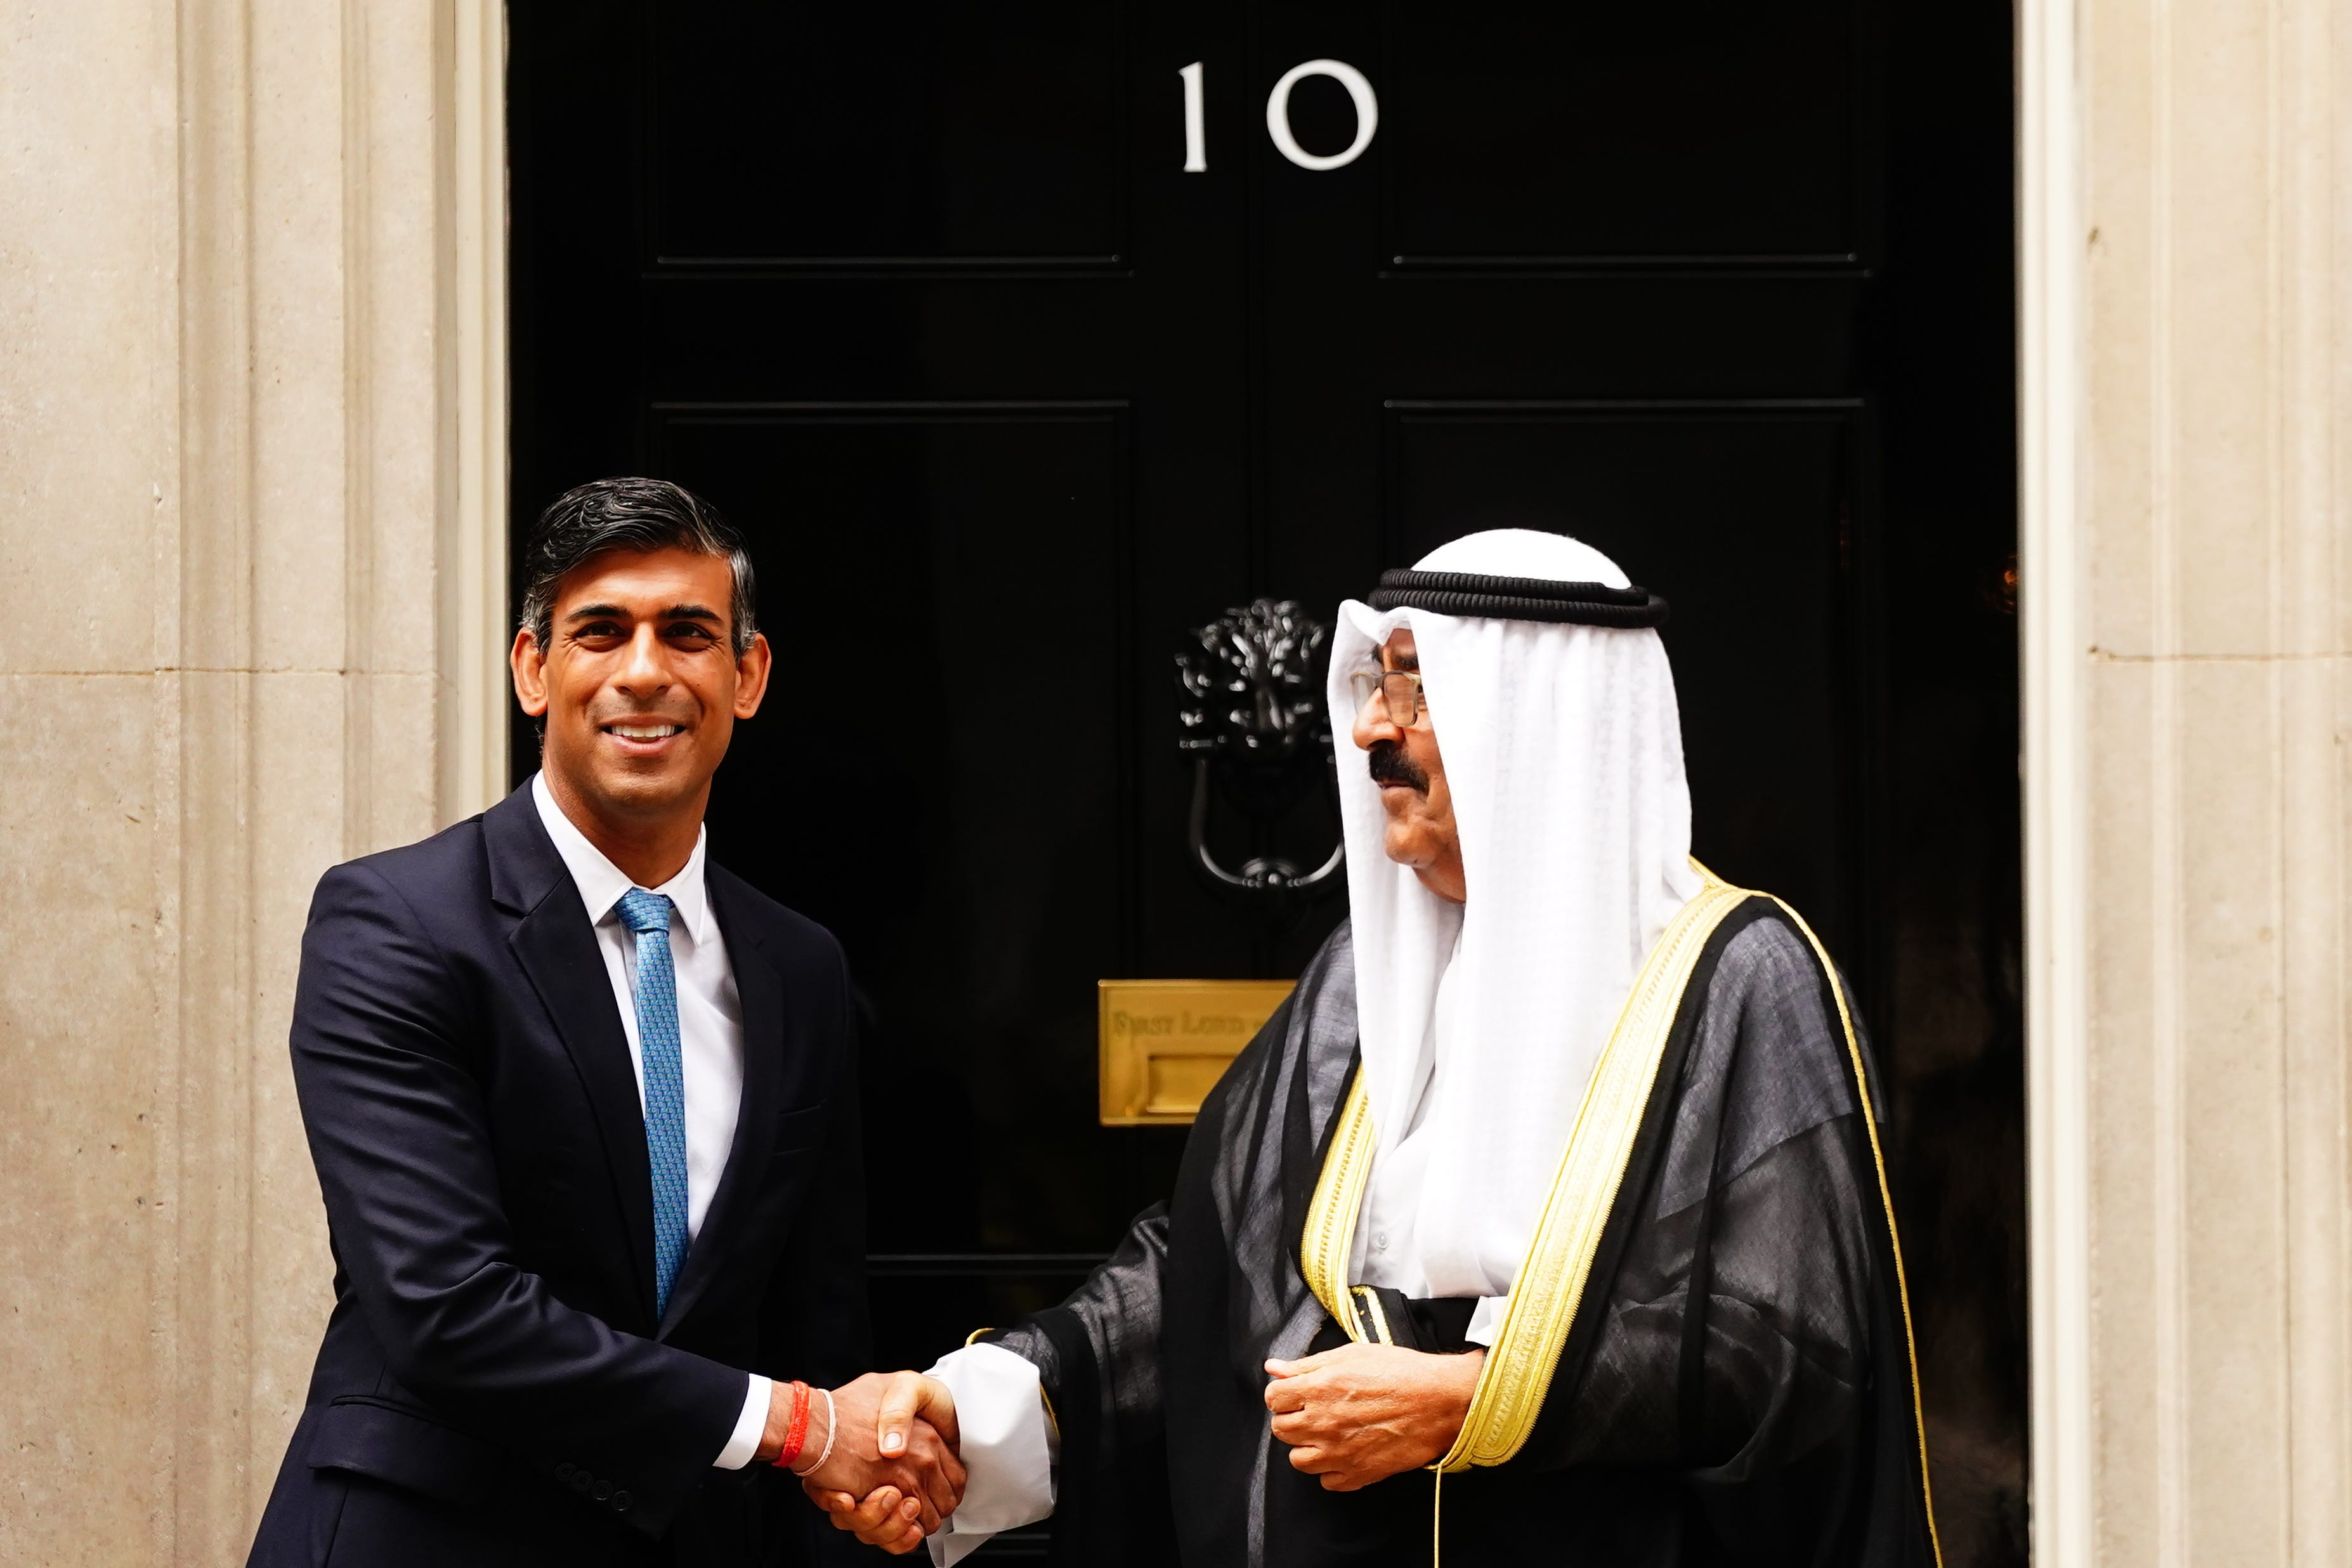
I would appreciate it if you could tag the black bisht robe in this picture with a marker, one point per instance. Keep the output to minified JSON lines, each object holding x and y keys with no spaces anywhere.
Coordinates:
{"x":1777,"y":1425}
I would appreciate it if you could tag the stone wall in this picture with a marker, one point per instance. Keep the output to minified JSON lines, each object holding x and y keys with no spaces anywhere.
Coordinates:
{"x":2185,"y":180}
{"x":251,"y":474}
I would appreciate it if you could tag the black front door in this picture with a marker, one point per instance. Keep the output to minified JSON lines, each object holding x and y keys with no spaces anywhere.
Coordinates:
{"x":1022,"y":338}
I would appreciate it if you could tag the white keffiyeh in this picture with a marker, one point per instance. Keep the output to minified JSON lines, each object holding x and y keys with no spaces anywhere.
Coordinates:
{"x":1480,"y":1023}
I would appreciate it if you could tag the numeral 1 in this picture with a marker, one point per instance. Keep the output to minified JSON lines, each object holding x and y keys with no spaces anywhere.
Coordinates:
{"x":1196,"y":130}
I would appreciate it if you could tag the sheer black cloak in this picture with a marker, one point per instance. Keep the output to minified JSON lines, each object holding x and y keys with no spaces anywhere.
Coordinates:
{"x":1776,"y":1424}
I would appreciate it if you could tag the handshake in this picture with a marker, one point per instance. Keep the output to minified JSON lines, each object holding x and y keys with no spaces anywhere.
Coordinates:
{"x":879,"y":1456}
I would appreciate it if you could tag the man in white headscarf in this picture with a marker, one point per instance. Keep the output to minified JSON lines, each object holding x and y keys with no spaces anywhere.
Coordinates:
{"x":1559,"y":1174}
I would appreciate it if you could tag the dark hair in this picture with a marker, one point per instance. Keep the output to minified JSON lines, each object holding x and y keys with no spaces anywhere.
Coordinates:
{"x":639,"y":515}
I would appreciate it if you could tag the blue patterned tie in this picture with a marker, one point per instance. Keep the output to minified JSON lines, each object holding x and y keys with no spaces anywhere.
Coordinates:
{"x":647,"y":914}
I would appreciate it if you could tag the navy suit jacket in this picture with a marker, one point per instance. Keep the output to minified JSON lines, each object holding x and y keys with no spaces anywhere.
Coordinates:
{"x":493,"y":1386}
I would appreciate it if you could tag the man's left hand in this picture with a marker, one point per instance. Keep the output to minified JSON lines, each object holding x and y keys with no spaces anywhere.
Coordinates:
{"x":1363,"y":1413}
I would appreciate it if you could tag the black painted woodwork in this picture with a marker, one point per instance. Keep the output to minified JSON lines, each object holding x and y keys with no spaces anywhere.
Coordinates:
{"x":920,"y":296}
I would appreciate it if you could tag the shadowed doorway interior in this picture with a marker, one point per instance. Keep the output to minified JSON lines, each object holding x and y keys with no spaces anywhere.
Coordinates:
{"x":1006,"y":396}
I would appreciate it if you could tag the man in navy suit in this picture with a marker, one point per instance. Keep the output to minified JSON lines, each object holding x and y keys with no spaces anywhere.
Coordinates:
{"x":584,"y":1112}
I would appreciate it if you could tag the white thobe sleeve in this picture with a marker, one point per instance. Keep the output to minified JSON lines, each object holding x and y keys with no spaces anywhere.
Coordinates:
{"x":1008,"y":1448}
{"x":1486,"y":1321}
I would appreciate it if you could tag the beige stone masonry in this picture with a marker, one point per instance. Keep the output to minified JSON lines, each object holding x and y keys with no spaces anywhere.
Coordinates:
{"x":251,"y":492}
{"x":2185,"y":179}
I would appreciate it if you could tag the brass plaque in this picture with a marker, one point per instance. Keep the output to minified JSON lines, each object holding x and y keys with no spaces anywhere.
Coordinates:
{"x":1165,"y":1043}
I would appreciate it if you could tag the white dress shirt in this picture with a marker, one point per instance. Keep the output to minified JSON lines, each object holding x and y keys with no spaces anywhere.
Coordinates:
{"x":709,"y":1033}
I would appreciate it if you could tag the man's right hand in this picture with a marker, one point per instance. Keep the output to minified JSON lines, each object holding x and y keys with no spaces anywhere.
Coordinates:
{"x":891,"y":1516}
{"x":895,"y":1439}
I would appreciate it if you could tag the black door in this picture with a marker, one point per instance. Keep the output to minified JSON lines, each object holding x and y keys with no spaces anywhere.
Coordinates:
{"x":1020,"y":338}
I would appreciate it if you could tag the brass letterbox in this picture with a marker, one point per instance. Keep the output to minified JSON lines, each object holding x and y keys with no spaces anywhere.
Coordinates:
{"x":1165,"y":1043}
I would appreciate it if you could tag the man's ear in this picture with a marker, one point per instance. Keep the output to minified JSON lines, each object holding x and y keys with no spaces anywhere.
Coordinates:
{"x":529,"y":667}
{"x":751,"y":673}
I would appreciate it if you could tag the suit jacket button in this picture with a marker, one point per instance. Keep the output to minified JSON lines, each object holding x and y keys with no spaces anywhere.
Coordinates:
{"x":564,"y":1471}
{"x":604,"y":1491}
{"x":582,"y":1480}
{"x":621,"y":1501}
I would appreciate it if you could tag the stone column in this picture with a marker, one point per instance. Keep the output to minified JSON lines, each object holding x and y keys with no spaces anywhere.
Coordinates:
{"x":2188,"y":395}
{"x":251,"y":523}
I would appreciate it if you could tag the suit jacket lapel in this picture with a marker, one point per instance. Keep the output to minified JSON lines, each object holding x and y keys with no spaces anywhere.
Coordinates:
{"x":556,"y":946}
{"x":760,"y":990}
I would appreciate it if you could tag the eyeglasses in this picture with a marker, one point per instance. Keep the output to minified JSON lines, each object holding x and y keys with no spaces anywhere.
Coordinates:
{"x":1399,"y":690}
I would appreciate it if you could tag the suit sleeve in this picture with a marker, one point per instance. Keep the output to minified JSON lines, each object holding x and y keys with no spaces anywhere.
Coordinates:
{"x":387,"y":1051}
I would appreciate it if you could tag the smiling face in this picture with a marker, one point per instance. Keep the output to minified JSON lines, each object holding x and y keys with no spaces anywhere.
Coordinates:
{"x":640,"y":688}
{"x":1405,"y":763}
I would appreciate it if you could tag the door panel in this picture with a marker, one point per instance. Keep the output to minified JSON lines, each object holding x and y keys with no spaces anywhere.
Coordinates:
{"x":870,"y":137}
{"x":1710,"y":131}
{"x":1005,"y":400}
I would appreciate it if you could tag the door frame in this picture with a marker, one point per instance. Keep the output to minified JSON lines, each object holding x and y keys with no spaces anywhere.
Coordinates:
{"x":2051,"y":328}
{"x":2052,"y":407}
{"x":473,"y":628}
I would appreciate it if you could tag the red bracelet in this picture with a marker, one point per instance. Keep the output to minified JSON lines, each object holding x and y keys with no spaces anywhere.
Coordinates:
{"x":797,"y":1433}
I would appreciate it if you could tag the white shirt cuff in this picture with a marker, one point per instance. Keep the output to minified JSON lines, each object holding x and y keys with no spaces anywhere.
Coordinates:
{"x":1008,"y":1448}
{"x":1486,"y":1321}
{"x":749,"y":1426}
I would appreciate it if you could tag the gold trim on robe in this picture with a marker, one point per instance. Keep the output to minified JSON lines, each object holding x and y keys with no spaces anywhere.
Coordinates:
{"x":1895,"y":1241}
{"x":1551,"y":1280}
{"x":1323,"y":1251}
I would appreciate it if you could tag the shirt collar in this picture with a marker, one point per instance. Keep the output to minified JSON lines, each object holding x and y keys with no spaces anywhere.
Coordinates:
{"x":601,"y":883}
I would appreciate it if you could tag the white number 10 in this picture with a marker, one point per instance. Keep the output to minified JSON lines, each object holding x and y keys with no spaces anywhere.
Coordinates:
{"x":1278,"y":116}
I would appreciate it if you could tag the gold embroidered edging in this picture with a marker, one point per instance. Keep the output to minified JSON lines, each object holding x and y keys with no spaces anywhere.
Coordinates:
{"x":1894,"y":1239}
{"x":1518,"y":1373}
{"x":1330,"y":1232}
{"x":1551,"y":1279}
{"x":1377,"y":1314}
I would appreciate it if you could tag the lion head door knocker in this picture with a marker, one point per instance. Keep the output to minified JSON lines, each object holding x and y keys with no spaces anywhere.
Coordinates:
{"x":1255,"y":726}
